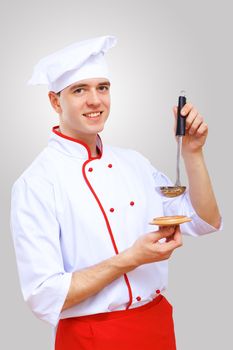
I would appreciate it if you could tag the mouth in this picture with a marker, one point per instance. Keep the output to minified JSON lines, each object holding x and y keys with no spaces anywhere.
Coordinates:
{"x":93,"y":115}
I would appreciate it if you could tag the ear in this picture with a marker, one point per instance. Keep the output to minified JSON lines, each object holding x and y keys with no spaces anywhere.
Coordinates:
{"x":55,"y":101}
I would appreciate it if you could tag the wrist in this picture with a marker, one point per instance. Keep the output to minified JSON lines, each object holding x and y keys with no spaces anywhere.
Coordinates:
{"x":125,"y":261}
{"x":193,"y":155}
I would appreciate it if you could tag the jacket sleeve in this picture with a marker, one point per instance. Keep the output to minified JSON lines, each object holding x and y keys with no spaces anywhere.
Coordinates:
{"x":181,"y":205}
{"x":35,"y":232}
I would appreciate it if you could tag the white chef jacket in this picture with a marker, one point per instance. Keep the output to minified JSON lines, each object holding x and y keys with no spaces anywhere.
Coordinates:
{"x":71,"y":211}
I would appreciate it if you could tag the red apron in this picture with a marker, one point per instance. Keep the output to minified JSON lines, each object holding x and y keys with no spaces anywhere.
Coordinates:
{"x":148,"y":327}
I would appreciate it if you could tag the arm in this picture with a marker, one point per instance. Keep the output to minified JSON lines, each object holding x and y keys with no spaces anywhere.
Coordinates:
{"x":200,"y":188}
{"x":146,"y":249}
{"x":35,"y":233}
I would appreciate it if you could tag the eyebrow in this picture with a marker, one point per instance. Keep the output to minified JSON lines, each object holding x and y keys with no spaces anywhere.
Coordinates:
{"x":78,"y":86}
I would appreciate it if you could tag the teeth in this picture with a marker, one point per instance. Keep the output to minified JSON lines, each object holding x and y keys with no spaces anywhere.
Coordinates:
{"x":92,"y":115}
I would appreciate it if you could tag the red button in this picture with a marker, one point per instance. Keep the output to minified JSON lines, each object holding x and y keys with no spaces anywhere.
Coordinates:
{"x":157,"y":291}
{"x":111,"y":210}
{"x":138,"y":298}
{"x":110,"y":165}
{"x":90,"y":169}
{"x":132,"y":203}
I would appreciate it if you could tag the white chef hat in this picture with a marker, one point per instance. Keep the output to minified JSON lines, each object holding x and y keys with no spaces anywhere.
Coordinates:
{"x":82,"y":60}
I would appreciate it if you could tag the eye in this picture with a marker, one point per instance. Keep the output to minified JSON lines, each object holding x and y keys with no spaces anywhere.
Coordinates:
{"x":78,"y":90}
{"x":103,"y":87}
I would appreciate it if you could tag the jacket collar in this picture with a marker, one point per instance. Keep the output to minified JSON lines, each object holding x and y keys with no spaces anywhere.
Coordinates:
{"x":71,"y":146}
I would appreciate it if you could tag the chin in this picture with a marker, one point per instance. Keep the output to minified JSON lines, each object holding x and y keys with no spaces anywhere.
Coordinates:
{"x":99,"y":129}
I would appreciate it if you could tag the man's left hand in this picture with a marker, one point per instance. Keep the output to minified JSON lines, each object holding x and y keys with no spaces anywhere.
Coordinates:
{"x":196,"y":129}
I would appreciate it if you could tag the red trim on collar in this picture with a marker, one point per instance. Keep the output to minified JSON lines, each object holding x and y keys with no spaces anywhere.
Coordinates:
{"x":55,"y":131}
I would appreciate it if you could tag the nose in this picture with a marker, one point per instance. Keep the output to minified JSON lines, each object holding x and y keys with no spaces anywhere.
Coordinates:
{"x":93,"y":98}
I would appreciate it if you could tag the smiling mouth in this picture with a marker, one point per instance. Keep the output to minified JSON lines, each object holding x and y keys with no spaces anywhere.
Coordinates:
{"x":93,"y":115}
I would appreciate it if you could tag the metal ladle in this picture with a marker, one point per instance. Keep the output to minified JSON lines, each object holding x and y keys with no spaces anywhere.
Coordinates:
{"x":177,"y":189}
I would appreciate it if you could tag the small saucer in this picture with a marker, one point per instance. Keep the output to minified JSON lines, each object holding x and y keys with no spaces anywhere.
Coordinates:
{"x":170,"y":220}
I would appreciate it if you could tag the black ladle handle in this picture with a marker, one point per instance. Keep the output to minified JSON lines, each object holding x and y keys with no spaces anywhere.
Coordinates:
{"x":181,"y":121}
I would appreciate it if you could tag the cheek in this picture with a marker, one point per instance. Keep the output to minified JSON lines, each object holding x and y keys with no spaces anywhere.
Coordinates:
{"x":70,"y":109}
{"x":107,"y":102}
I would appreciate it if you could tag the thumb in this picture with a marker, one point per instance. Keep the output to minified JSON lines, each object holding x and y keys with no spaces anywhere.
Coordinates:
{"x":163,"y":232}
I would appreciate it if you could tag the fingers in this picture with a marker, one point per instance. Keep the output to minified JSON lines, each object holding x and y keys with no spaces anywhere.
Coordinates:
{"x":169,"y":246}
{"x":186,"y":109}
{"x":194,"y":120}
{"x":170,"y":233}
{"x":202,"y":130}
{"x":158,"y":245}
{"x":175,"y":241}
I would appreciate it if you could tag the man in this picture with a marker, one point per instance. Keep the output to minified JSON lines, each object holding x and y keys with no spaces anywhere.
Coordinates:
{"x":89,"y":262}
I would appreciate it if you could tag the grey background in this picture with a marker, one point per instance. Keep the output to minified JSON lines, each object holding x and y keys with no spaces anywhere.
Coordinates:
{"x":163,"y":47}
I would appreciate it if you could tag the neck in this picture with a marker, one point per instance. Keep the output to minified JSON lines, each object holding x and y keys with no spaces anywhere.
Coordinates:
{"x":89,"y":140}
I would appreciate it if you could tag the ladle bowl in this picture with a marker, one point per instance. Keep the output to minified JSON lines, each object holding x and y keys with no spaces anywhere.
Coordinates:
{"x":172,"y":191}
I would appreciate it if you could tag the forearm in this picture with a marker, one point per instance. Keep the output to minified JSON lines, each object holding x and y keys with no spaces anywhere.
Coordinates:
{"x":89,"y":281}
{"x":200,"y":189}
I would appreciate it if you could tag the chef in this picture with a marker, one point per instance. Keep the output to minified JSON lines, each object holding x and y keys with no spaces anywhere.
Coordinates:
{"x":89,"y":262}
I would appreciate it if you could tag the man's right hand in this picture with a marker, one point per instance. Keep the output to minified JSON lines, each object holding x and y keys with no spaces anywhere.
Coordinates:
{"x":148,"y":248}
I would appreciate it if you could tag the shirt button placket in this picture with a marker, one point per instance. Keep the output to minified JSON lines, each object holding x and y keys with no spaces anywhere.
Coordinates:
{"x":111,"y":209}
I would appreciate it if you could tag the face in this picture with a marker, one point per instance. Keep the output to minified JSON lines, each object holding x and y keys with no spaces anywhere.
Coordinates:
{"x":83,"y":108}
